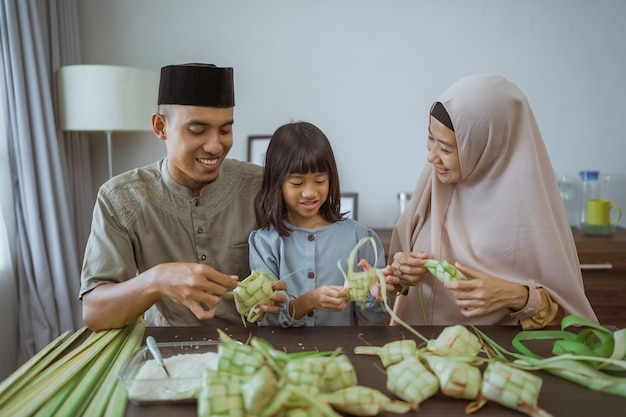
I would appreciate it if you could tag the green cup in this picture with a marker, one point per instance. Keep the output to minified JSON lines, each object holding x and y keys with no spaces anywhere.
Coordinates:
{"x":599,"y":212}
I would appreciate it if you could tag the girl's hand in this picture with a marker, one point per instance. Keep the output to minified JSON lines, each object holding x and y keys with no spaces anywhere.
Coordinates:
{"x":280,"y":287}
{"x":483,"y":294}
{"x":374,"y":289}
{"x":331,"y":298}
{"x":406,"y":270}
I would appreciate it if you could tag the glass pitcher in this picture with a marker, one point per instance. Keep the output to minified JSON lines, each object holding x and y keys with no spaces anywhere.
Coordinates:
{"x":593,"y":185}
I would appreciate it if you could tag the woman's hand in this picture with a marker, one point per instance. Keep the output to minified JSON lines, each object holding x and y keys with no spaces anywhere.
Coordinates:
{"x":482,"y":294}
{"x":406,"y":270}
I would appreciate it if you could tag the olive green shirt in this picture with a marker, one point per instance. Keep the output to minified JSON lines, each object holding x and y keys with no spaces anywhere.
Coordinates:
{"x":143,"y":218}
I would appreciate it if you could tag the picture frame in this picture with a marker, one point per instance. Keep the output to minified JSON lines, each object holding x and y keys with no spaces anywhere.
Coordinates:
{"x":257,"y":147}
{"x":349,"y":205}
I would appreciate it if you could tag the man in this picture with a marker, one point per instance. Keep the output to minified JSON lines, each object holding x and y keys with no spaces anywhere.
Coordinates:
{"x":171,"y":239}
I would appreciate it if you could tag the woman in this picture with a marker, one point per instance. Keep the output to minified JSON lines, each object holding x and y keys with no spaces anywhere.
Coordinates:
{"x":488,"y":202}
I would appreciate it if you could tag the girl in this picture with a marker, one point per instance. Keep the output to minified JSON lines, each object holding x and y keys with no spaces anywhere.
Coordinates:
{"x":303,"y":234}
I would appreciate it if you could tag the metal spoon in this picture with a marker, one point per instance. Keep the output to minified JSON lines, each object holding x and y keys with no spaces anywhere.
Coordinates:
{"x":156,"y":353}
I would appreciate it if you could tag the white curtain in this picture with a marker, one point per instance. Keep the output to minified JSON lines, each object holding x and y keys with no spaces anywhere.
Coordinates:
{"x":8,"y":288}
{"x":50,"y":173}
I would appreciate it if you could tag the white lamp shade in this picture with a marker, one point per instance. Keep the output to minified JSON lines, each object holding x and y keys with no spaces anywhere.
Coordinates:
{"x":106,"y":98}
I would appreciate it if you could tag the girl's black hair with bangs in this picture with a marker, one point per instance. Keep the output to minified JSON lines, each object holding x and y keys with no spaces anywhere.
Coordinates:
{"x":296,"y":148}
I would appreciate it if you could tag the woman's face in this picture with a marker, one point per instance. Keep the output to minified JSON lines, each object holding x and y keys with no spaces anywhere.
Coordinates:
{"x":443,"y":153}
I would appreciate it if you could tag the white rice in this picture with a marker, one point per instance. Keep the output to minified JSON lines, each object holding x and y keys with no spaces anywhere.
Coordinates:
{"x":186,"y":370}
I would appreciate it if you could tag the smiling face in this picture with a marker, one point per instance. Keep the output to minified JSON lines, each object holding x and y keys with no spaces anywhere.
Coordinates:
{"x":197,"y":141}
{"x":443,"y":153}
{"x":304,"y":195}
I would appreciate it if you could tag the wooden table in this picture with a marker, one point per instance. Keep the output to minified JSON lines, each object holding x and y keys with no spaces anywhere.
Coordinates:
{"x":558,"y":396}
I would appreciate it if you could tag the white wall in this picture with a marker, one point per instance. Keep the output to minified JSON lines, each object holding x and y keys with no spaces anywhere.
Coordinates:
{"x":367,"y":71}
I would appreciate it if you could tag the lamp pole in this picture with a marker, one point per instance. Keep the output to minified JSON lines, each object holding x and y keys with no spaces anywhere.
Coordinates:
{"x":109,"y":154}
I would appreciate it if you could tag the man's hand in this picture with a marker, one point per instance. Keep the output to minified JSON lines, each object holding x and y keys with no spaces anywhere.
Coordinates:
{"x":197,"y":286}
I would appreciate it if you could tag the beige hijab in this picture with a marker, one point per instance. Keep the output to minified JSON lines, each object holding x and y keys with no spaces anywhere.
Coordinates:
{"x":505,"y":218}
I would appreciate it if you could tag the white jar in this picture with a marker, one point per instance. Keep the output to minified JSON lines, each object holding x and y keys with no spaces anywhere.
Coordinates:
{"x":403,"y":200}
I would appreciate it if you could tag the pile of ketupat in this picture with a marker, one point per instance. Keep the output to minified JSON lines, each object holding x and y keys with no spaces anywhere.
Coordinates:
{"x":450,"y":363}
{"x":69,"y":378}
{"x":256,"y":379}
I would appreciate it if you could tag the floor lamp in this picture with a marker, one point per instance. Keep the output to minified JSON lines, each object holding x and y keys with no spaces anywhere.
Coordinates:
{"x":106,"y":98}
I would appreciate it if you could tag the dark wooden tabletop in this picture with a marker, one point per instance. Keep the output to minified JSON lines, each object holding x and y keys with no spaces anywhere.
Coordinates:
{"x":559,"y":397}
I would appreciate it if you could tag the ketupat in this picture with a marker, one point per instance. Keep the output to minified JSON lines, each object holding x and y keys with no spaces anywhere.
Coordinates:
{"x":513,"y":388}
{"x":455,"y":340}
{"x":220,"y":395}
{"x":302,"y":412}
{"x":236,"y":358}
{"x":276,"y":359}
{"x":252,"y":292}
{"x":307,"y":375}
{"x":358,"y":283}
{"x":339,"y":373}
{"x":411,"y":381}
{"x":259,"y":388}
{"x":279,"y":405}
{"x":363,"y":401}
{"x":390,"y":353}
{"x":443,"y":271}
{"x":307,"y":372}
{"x":456,"y":379}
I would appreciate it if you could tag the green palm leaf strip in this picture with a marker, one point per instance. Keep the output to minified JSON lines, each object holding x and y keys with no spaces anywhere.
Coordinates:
{"x":578,"y":356}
